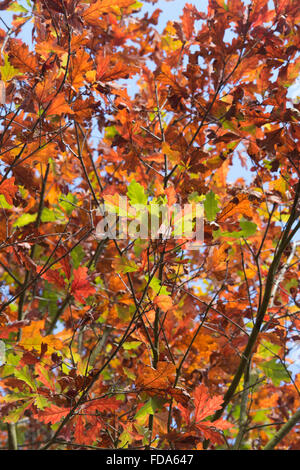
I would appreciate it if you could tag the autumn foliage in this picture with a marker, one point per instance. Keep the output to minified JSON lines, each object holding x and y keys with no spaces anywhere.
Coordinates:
{"x":144,"y":343}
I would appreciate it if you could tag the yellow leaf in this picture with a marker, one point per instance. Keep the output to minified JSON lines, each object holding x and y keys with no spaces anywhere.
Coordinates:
{"x":32,"y":338}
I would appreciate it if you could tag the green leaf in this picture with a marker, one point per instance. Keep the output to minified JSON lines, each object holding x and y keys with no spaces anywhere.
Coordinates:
{"x":3,"y":203}
{"x":184,"y":224}
{"x":261,"y":416}
{"x":267,"y":349}
{"x":125,"y":439}
{"x":7,"y":70}
{"x":291,"y":283}
{"x":67,"y":202}
{"x":146,"y":410}
{"x":156,"y":286}
{"x":127,"y":266}
{"x":228,"y":125}
{"x":77,"y":256}
{"x":14,"y":397}
{"x":110,"y":132}
{"x":211,"y":206}
{"x":12,"y":361}
{"x":129,"y":373}
{"x":195,"y":197}
{"x":248,"y":228}
{"x":131,"y":345}
{"x":136,"y":6}
{"x":136,"y":194}
{"x":49,"y":299}
{"x":15,"y":6}
{"x":48,"y":215}
{"x":24,"y":375}
{"x":41,"y":402}
{"x":25,"y":219}
{"x":251,"y":129}
{"x":15,"y":415}
{"x":124,"y":313}
{"x":275,"y":371}
{"x":139,"y":247}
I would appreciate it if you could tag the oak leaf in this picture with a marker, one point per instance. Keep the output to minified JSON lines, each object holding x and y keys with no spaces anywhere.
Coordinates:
{"x":8,"y":189}
{"x":103,"y":404}
{"x":100,"y":7}
{"x":205,"y":406}
{"x":79,"y":65}
{"x":238,"y":205}
{"x":164,"y":302}
{"x":159,"y":378}
{"x":59,"y":106}
{"x":22,"y":59}
{"x":81,"y":287}
{"x":54,"y":277}
{"x":52,"y":414}
{"x":32,"y":338}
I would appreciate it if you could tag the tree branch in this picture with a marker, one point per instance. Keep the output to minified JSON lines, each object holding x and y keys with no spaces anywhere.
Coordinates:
{"x":286,"y":428}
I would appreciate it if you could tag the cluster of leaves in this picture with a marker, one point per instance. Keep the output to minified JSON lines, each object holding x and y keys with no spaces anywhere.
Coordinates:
{"x":143,"y":343}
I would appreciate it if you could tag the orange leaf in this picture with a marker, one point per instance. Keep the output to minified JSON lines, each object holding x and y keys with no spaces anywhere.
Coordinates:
{"x":171,"y":195}
{"x":97,"y":9}
{"x":164,"y":302}
{"x":210,"y":433}
{"x":159,"y":378}
{"x":59,"y":106}
{"x":44,"y":377}
{"x":8,"y":189}
{"x":64,"y":262}
{"x":188,"y":21}
{"x":22,"y":59}
{"x":168,"y":78}
{"x":106,"y":72}
{"x":205,"y":406}
{"x":79,"y":65}
{"x":32,"y":338}
{"x":79,"y":432}
{"x":238,"y":205}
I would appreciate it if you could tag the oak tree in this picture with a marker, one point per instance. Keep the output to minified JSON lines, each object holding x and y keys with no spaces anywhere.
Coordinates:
{"x":148,"y":342}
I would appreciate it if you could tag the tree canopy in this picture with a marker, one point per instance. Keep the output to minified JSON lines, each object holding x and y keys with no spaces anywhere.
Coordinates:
{"x":149,"y":342}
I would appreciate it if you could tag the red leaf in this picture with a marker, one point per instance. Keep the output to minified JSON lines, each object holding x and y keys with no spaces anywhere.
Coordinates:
{"x":103,"y":404}
{"x":55,"y":278}
{"x":79,"y":433}
{"x":188,"y":21}
{"x":205,"y":406}
{"x":64,"y":262}
{"x":81,"y":287}
{"x":52,"y":415}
